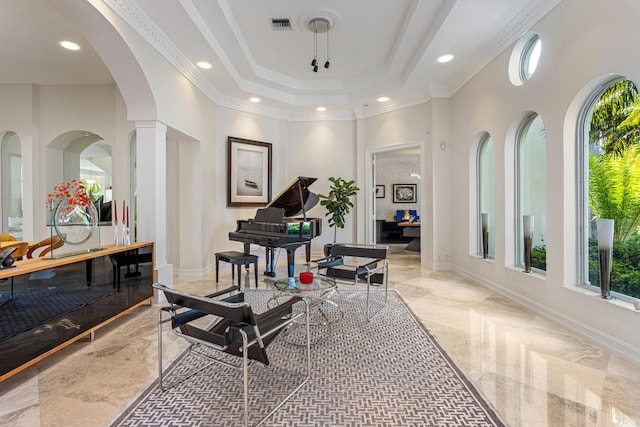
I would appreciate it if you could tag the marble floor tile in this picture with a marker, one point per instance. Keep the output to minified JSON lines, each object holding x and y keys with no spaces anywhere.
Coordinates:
{"x":534,"y":372}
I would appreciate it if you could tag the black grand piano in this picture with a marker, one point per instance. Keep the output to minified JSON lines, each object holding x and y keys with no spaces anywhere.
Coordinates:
{"x":274,"y":226}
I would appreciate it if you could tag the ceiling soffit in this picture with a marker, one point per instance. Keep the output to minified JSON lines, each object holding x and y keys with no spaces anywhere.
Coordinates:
{"x":251,"y":77}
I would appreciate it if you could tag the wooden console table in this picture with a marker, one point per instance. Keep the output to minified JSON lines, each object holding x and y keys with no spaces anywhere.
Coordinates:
{"x":48,"y":304}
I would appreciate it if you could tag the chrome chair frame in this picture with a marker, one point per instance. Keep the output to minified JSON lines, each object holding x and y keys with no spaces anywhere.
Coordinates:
{"x":234,"y":330}
{"x":374,"y":269}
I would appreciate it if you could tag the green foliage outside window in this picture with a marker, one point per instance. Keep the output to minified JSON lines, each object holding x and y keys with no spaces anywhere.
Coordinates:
{"x":539,"y":257}
{"x":625,"y":269}
{"x":614,"y":183}
{"x":614,"y":190}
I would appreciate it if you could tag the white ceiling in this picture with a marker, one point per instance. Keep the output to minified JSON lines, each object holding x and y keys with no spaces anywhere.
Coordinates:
{"x":377,"y":47}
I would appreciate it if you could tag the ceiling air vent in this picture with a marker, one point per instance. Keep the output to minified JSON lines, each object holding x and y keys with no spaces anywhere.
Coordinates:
{"x":281,"y":24}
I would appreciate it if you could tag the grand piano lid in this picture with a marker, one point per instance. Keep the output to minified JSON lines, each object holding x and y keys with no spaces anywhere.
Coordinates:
{"x":289,"y":198}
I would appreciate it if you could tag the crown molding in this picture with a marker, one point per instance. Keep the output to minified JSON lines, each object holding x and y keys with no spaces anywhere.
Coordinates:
{"x":534,"y":12}
{"x":143,"y":25}
{"x":250,"y":107}
{"x":388,"y":107}
{"x":313,"y":116}
{"x":147,"y":29}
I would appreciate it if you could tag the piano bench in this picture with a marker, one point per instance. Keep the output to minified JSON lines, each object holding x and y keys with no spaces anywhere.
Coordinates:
{"x":240,"y":259}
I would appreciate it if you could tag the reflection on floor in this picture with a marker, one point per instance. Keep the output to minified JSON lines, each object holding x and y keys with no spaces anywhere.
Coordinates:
{"x":534,"y":372}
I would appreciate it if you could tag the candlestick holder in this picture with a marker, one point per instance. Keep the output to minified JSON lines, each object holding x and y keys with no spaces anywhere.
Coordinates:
{"x":116,"y":240}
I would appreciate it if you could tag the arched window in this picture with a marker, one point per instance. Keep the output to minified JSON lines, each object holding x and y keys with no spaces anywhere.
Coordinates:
{"x":531,"y":189}
{"x":485,"y":170}
{"x":610,"y":178}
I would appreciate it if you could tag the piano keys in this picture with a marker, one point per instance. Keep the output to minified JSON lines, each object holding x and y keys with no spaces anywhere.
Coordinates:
{"x":273,"y":227}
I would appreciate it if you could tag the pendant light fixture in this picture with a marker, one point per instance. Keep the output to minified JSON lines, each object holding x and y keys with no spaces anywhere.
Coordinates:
{"x":319,"y":25}
{"x":314,"y":63}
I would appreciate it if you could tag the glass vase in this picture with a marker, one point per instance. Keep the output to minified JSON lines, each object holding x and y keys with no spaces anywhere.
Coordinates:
{"x":75,"y":224}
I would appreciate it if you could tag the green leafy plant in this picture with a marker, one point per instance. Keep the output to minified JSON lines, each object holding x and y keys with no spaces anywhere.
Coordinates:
{"x":625,"y":266}
{"x":93,"y":189}
{"x":338,"y":202}
{"x":615,"y":123}
{"x":539,"y":257}
{"x":614,"y":190}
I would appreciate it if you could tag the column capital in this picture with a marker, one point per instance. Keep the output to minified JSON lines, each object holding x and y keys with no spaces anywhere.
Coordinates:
{"x":151,"y":124}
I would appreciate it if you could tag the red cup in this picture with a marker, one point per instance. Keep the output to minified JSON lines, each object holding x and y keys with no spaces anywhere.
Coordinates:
{"x":306,"y":277}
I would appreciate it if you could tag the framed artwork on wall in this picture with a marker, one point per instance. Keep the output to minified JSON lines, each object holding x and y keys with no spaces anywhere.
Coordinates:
{"x":380,"y":191}
{"x":404,"y":193}
{"x":248,"y":172}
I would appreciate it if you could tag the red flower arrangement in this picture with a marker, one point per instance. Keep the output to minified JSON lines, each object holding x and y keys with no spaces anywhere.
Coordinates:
{"x":73,"y":192}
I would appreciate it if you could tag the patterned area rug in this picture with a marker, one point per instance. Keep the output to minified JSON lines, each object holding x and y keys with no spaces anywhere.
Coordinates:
{"x":389,"y":371}
{"x":32,"y":308}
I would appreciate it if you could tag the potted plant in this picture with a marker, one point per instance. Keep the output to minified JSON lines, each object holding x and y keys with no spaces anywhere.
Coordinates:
{"x":338,"y":203}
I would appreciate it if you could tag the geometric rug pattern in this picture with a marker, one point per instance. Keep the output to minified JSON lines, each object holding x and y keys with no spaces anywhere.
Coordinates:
{"x":389,"y":371}
{"x":32,"y":308}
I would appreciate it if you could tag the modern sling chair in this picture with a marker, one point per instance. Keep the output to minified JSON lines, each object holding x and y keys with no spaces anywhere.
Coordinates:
{"x":234,"y":330}
{"x":354,"y":263}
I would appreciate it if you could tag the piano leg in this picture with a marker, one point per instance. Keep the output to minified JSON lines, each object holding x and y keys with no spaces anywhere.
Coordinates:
{"x":307,"y":252}
{"x":270,"y":262}
{"x":291,"y":261}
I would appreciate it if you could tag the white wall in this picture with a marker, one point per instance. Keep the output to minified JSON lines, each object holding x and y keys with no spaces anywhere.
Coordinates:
{"x":580,"y":45}
{"x":323,"y":150}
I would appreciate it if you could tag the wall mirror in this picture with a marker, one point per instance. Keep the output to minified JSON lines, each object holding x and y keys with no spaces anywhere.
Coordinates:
{"x":88,"y":157}
{"x":11,"y":155}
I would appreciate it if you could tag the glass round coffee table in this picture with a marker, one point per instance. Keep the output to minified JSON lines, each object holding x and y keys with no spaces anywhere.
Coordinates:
{"x":324,"y":304}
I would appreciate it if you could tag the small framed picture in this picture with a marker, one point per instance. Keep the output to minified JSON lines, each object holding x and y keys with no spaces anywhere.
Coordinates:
{"x":404,"y":193}
{"x":380,"y":191}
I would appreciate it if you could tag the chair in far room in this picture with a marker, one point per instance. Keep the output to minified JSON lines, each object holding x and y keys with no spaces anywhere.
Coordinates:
{"x":234,"y":329}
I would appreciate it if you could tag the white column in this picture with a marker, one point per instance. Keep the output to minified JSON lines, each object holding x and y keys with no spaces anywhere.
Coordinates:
{"x":364,"y":228}
{"x":151,"y":181}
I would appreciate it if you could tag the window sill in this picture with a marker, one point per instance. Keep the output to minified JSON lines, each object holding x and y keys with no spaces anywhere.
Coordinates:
{"x":533,"y":274}
{"x":627,"y":305}
{"x":481,"y":258}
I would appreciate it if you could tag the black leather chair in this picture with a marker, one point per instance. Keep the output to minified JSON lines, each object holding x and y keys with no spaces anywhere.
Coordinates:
{"x":354,"y":263}
{"x":234,"y":330}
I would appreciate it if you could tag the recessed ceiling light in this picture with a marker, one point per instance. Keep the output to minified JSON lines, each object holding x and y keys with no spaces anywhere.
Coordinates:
{"x":445,"y":58}
{"x":254,"y":99}
{"x":204,"y":65}
{"x":321,"y":109}
{"x":383,"y":99}
{"x":69,"y":45}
